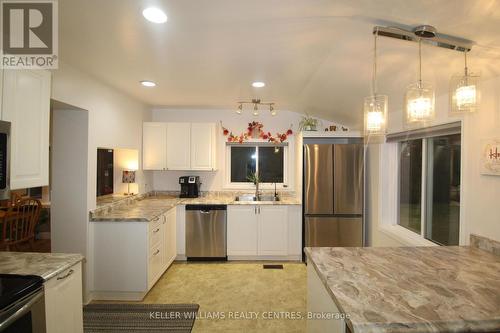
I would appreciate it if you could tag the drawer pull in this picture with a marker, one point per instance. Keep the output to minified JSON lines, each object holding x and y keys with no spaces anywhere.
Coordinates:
{"x":65,"y":276}
{"x":155,"y":231}
{"x":156,"y":252}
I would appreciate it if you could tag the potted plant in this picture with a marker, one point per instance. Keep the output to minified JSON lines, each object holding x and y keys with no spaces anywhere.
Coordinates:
{"x":308,"y":123}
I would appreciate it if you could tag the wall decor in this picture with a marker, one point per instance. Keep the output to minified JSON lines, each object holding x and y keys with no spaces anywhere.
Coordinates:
{"x":490,"y":157}
{"x":255,"y":130}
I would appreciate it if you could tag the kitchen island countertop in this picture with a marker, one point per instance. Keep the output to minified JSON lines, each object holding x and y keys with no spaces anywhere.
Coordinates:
{"x":412,"y":289}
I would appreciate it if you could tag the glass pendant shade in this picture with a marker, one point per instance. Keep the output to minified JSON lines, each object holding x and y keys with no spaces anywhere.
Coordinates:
{"x":419,"y":103}
{"x":464,"y":93}
{"x":375,"y":111}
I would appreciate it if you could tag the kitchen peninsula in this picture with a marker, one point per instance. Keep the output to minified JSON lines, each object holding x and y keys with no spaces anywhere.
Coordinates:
{"x":137,"y":238}
{"x":408,"y":289}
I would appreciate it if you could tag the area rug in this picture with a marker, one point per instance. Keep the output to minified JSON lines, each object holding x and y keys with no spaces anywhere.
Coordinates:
{"x":151,"y":318}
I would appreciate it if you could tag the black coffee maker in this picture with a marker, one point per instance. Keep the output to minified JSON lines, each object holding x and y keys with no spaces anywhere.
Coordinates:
{"x":190,"y":186}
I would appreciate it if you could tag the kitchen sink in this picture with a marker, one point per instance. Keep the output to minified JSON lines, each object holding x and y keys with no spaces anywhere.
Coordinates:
{"x":251,"y":197}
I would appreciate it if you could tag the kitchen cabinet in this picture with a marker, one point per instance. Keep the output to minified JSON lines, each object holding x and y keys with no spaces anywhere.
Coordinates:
{"x":242,"y":232}
{"x":132,"y":256}
{"x":264,"y":232}
{"x":273,"y":230}
{"x":63,"y":301}
{"x":26,"y":105}
{"x":154,"y":146}
{"x":203,"y":146}
{"x":179,"y":146}
{"x":169,"y":238}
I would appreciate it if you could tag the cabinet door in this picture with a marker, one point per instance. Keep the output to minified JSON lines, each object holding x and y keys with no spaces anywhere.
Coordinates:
{"x":294,"y":230}
{"x":170,"y":237}
{"x":203,"y":146}
{"x":63,"y":301}
{"x":154,"y":146}
{"x":26,"y":104}
{"x":273,"y":230}
{"x":241,"y":230}
{"x":178,"y":146}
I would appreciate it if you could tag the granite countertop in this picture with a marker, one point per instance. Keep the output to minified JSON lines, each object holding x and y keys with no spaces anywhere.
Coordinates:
{"x":46,"y":265}
{"x":148,"y":207}
{"x":412,"y":289}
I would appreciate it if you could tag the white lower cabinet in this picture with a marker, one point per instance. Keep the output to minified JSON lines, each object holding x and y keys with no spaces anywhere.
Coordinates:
{"x":272,"y":224}
{"x":169,"y":238}
{"x":63,"y":301}
{"x":242,"y":231}
{"x":263,"y":232}
{"x":132,"y":256}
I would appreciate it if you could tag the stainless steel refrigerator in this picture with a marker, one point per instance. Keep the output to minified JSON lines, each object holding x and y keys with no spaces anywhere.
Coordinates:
{"x":333,"y":193}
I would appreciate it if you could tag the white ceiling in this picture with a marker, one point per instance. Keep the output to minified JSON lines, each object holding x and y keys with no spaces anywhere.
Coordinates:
{"x":314,"y":55}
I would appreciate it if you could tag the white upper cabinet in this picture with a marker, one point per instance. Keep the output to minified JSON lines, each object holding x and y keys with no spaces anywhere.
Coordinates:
{"x":26,"y":104}
{"x":273,"y":230}
{"x":154,"y":146}
{"x":178,"y":146}
{"x":203,"y":146}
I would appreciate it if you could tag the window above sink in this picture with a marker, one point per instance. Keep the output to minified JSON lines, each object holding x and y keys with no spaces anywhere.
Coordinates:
{"x":266,"y":159}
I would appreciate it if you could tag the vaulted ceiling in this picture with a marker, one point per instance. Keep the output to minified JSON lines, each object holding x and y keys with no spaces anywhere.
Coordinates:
{"x":314,"y":55}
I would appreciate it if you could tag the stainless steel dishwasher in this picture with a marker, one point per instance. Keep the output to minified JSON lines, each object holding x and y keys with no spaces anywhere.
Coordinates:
{"x":206,"y":232}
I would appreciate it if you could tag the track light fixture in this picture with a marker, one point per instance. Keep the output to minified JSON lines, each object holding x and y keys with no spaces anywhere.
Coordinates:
{"x":256,"y":103}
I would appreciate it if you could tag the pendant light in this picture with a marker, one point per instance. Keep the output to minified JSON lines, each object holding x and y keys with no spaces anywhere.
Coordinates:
{"x":419,"y":98}
{"x":375,"y":106}
{"x":464,"y":91}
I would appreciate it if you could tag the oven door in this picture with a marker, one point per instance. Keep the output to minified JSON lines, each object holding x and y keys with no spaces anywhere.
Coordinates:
{"x":27,"y":315}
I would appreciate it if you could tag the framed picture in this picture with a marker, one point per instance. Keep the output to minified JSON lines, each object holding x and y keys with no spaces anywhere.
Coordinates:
{"x":490,"y":157}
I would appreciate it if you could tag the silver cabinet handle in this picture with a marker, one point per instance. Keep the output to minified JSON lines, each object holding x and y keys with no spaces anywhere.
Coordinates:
{"x":65,"y":276}
{"x":259,"y":209}
{"x":156,"y":252}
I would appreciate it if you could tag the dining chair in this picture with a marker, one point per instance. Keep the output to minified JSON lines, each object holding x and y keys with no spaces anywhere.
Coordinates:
{"x":19,"y":223}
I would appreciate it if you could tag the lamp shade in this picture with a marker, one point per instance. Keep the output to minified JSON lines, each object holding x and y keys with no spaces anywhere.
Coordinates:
{"x":419,"y":103}
{"x":464,"y":93}
{"x":128,"y":177}
{"x":375,"y":110}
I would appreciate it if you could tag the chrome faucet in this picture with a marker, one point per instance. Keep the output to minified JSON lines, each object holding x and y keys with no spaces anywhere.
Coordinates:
{"x":257,"y":194}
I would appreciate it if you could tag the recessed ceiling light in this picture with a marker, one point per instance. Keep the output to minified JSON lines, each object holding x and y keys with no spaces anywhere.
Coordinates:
{"x":148,"y":83}
{"x":154,"y":15}
{"x":258,"y":84}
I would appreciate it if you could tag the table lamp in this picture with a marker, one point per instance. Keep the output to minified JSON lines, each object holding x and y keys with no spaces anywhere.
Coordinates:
{"x":128,"y":178}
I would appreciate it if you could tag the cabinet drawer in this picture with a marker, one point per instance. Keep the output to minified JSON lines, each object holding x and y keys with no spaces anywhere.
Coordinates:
{"x":155,"y":234}
{"x":154,"y":264}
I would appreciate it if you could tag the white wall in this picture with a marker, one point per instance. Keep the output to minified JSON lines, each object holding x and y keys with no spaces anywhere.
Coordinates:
{"x":115,"y":120}
{"x":214,"y":181}
{"x":480,"y":193}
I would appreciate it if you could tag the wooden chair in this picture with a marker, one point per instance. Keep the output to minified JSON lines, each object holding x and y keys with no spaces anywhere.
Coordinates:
{"x":19,"y":223}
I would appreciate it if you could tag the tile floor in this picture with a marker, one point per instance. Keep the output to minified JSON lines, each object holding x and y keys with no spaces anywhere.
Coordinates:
{"x":236,"y":288}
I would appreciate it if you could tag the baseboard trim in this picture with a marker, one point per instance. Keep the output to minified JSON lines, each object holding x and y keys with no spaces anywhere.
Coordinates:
{"x":265,"y":258}
{"x":117,"y":296}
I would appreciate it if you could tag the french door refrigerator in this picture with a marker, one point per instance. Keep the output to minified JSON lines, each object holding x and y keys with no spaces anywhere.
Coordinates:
{"x":333,"y":193}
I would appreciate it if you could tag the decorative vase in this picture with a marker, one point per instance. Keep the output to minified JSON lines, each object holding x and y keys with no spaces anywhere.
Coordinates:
{"x":255,"y":133}
{"x":309,"y":128}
